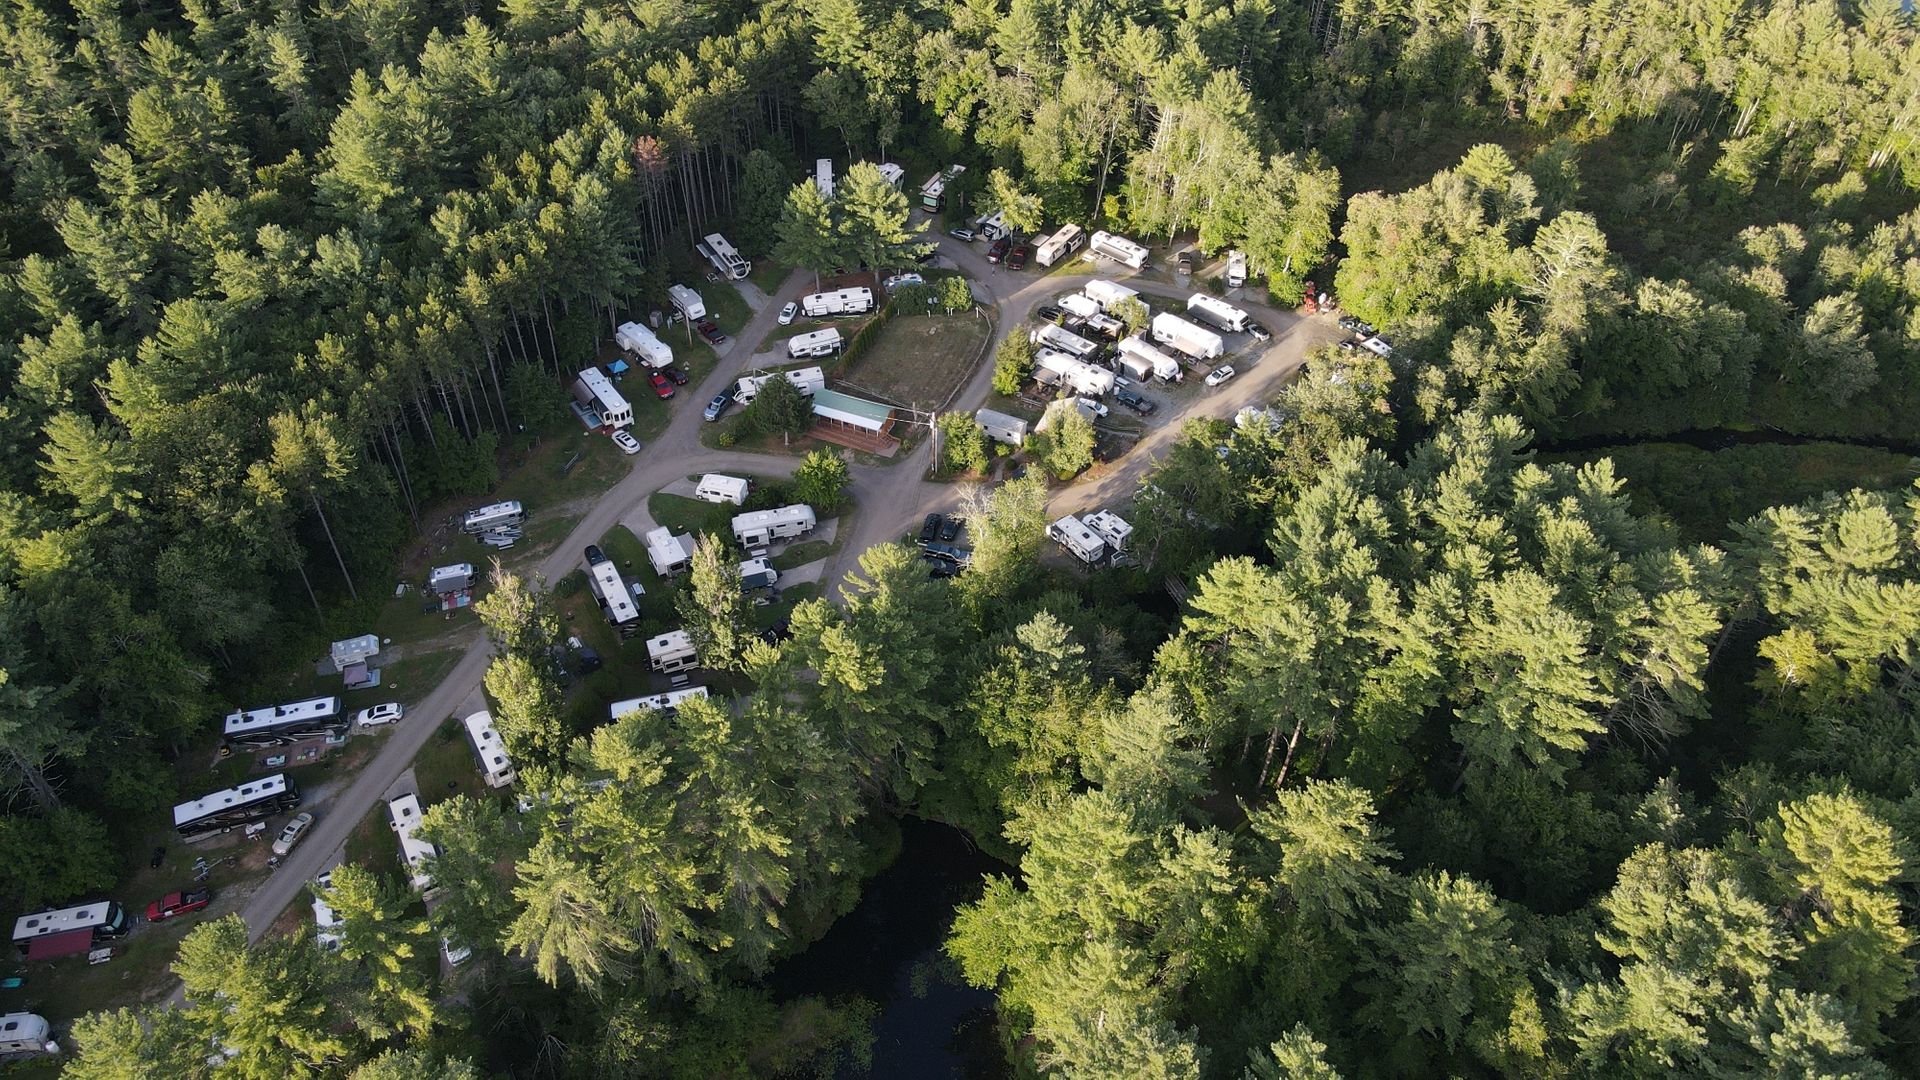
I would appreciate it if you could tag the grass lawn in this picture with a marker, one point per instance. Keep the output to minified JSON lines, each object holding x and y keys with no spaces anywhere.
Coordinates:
{"x":919,"y":360}
{"x":777,"y":337}
{"x":446,"y":766}
{"x":371,"y":844}
{"x":807,"y":551}
{"x":768,"y":275}
{"x":681,"y":514}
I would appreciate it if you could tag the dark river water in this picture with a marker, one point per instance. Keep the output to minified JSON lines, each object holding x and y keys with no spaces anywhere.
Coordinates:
{"x":930,"y":1026}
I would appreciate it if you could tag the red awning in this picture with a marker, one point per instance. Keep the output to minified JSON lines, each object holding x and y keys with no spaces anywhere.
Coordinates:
{"x":54,"y":946}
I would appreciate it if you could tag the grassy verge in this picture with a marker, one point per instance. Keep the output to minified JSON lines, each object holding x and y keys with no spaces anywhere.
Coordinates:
{"x":446,"y":766}
{"x":809,"y":551}
{"x":371,"y":844}
{"x":681,"y":514}
{"x":919,"y":360}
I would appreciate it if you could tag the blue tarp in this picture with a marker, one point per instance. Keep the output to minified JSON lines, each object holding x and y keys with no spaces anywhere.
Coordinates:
{"x":617,"y":366}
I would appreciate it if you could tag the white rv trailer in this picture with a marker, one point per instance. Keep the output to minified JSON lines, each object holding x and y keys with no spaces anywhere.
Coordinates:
{"x":687,"y":302}
{"x":758,"y":574}
{"x":26,"y":1033}
{"x":1072,"y":533}
{"x":643,"y":344}
{"x":1110,"y":527}
{"x":1000,"y":427}
{"x":672,"y":651}
{"x":854,"y":301}
{"x":594,"y":390}
{"x":1106,"y":245}
{"x":668,"y":553}
{"x":1078,"y":375}
{"x":1065,"y":242}
{"x":1196,"y":342}
{"x":1109,"y":294}
{"x":1133,"y":367}
{"x":727,"y":261}
{"x":450,"y":579}
{"x":1105,"y":325}
{"x":892,"y":174}
{"x":1080,"y":305}
{"x":278,"y":725}
{"x":616,"y":600}
{"x":500,"y":515}
{"x":933,"y":193}
{"x":719,"y":488}
{"x":1217,"y":313}
{"x":495,"y":765}
{"x":1160,"y":364}
{"x":222,"y":811}
{"x":760,"y":527}
{"x":403,"y":814}
{"x":1236,"y":268}
{"x":992,"y":226}
{"x":823,"y":177}
{"x":102,"y":918}
{"x":666,"y":702}
{"x":1377,"y":346}
{"x":815,"y":343}
{"x":808,"y":379}
{"x":1059,"y":337}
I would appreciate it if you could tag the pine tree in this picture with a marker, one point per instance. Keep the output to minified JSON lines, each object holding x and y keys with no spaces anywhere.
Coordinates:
{"x":713,"y":606}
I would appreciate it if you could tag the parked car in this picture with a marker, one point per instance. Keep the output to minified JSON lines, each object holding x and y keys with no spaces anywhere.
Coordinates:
{"x":628,"y":444}
{"x":1136,"y":402}
{"x":392,"y":711}
{"x":929,"y":529}
{"x":1047,"y":313}
{"x":1183,"y":262}
{"x":939,"y":568}
{"x":178,"y":903}
{"x":1096,"y":407}
{"x":899,"y":280}
{"x":291,"y":835}
{"x":660,"y":384}
{"x":456,"y":954}
{"x":719,"y":404}
{"x":594,"y":555}
{"x":710,"y":332}
{"x":676,"y":373}
{"x":949,"y":528}
{"x":1349,"y":345}
{"x":959,"y":556}
{"x":787,"y":313}
{"x":961,"y":234}
{"x":1220,"y":374}
{"x":1355,"y":324}
{"x":1258,"y":332}
{"x":998,"y":250}
{"x":1017,"y":258}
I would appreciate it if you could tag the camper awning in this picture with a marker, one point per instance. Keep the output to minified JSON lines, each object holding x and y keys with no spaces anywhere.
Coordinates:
{"x":851,"y":411}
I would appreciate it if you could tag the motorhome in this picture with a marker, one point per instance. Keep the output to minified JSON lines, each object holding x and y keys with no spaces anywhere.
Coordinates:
{"x":594,"y":390}
{"x":1110,"y":527}
{"x":1059,"y":337}
{"x":1106,"y":245}
{"x":225,"y":810}
{"x":1109,"y":294}
{"x":279,"y":725}
{"x":933,"y":193}
{"x":403,"y":814}
{"x":823,"y":177}
{"x":1061,"y":244}
{"x":613,"y":593}
{"x":643,"y":345}
{"x":687,"y":303}
{"x":495,"y":765}
{"x":1136,"y":350}
{"x":761,"y":527}
{"x":1002,"y":428}
{"x":1217,"y":313}
{"x":814,"y":344}
{"x":45,"y":935}
{"x":1236,"y":269}
{"x":719,"y":488}
{"x":1083,"y":543}
{"x":450,"y":579}
{"x":1078,"y":375}
{"x":727,"y":261}
{"x":500,"y":515}
{"x":809,"y":380}
{"x":992,"y":226}
{"x":822,"y":305}
{"x":666,"y":702}
{"x":668,"y":553}
{"x":892,"y":174}
{"x":758,"y":574}
{"x":672,"y":651}
{"x":1194,"y":341}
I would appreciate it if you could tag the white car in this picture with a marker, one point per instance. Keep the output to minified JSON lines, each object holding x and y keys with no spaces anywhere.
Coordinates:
{"x":325,"y":922}
{"x":1219,"y":375}
{"x":628,"y":444}
{"x":787,"y":313}
{"x":1089,"y":405}
{"x":390,"y":713}
{"x":456,"y":954}
{"x":291,"y":835}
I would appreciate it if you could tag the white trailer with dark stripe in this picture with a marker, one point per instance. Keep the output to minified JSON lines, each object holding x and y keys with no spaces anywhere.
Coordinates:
{"x":1217,"y":313}
{"x":210,"y":815}
{"x":666,"y":702}
{"x":1106,"y":245}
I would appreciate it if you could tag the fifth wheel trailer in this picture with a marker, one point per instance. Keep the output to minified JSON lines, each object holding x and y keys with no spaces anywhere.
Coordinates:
{"x":1196,"y":342}
{"x":1106,"y":245}
{"x":760,"y":527}
{"x":808,"y":379}
{"x":933,"y":193}
{"x":1065,"y":242}
{"x":1059,"y":337}
{"x":1216,"y":312}
{"x":687,"y":302}
{"x":813,"y":344}
{"x":594,"y":390}
{"x":1085,"y":544}
{"x":727,"y":261}
{"x":641,"y":342}
{"x":855,"y":301}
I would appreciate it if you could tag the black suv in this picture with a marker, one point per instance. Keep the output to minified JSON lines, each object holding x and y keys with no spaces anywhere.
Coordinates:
{"x":594,"y":556}
{"x":949,"y":528}
{"x":929,"y":529}
{"x":1131,"y":400}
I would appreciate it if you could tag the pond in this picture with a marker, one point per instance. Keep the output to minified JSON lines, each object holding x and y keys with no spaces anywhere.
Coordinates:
{"x":931,"y":1025}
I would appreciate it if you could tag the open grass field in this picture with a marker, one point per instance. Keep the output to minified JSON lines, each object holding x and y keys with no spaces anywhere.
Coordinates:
{"x":918,"y":360}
